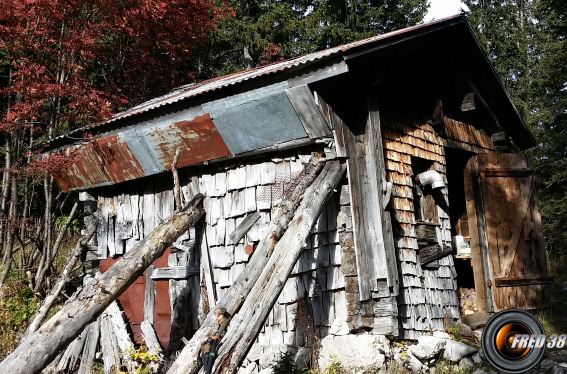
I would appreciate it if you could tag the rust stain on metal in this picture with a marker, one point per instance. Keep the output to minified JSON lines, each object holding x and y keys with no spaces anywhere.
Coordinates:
{"x":198,"y":139}
{"x":106,"y":160}
{"x":120,"y":163}
{"x":111,"y":160}
{"x":88,"y":170}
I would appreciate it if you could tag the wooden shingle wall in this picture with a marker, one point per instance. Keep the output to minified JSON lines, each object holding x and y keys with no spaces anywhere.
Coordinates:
{"x":428,"y":298}
{"x":314,"y":295}
{"x":377,"y":310}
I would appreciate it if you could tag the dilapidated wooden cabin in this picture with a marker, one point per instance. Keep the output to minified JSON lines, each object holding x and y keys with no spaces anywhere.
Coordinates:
{"x":435,"y":218}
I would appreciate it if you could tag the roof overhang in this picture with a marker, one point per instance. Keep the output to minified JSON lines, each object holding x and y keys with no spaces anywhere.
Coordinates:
{"x":263,"y":109}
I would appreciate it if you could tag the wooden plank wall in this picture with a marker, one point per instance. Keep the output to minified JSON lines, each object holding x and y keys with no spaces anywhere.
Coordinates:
{"x":371,"y":288}
{"x":313,"y":297}
{"x":428,"y":297}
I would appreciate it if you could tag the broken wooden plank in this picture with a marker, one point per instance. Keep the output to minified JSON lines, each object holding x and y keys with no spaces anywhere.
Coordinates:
{"x":89,"y":351}
{"x":244,"y":226}
{"x":72,"y":353}
{"x":432,"y":253}
{"x":109,"y":346}
{"x":175,"y":272}
{"x":120,"y":331}
{"x":152,"y":345}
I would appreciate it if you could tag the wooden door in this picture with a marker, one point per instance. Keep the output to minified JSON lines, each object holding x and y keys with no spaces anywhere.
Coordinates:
{"x":508,"y":237}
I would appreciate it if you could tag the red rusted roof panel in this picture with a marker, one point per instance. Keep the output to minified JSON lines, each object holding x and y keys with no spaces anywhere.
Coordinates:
{"x":119,"y":161}
{"x":117,"y":158}
{"x":105,"y":161}
{"x":198,"y":139}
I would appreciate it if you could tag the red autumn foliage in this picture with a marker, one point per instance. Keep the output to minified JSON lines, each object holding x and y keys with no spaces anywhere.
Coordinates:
{"x":272,"y":53}
{"x":52,"y":163}
{"x":74,"y":62}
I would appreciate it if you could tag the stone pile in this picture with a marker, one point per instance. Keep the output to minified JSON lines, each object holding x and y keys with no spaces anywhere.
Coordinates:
{"x":367,"y":353}
{"x":426,"y":353}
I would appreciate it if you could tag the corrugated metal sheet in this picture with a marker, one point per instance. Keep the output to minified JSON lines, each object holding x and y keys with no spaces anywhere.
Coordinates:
{"x":138,"y":152}
{"x":222,"y":128}
{"x":193,"y":90}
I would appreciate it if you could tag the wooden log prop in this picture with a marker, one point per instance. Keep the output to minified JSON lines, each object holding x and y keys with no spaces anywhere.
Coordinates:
{"x":41,"y":347}
{"x":186,"y":362}
{"x":246,"y":325}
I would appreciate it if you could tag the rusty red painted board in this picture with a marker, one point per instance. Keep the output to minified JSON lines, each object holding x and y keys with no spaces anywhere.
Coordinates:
{"x":132,"y":302}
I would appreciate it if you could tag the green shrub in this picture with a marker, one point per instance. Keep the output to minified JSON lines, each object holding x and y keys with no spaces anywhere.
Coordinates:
{"x":16,"y":310}
{"x":286,"y":365}
{"x":74,"y":226}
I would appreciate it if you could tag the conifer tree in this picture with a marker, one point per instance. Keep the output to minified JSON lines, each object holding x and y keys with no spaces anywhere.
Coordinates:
{"x":526,"y":42}
{"x":265,"y":31}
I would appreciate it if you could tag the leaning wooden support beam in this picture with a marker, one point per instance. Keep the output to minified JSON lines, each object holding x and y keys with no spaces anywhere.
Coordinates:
{"x":246,"y":325}
{"x":41,"y":347}
{"x":186,"y":362}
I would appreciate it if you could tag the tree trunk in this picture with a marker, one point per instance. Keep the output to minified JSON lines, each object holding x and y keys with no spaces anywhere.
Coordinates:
{"x":49,"y":260}
{"x":6,"y":175}
{"x":246,"y":325}
{"x":65,"y":275}
{"x":237,"y":293}
{"x":27,"y":199}
{"x":41,"y":347}
{"x":45,"y":260}
{"x":11,"y":229}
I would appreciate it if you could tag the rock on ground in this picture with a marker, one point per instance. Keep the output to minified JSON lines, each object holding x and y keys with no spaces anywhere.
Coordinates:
{"x":427,"y":347}
{"x":354,"y":351}
{"x":456,"y":351}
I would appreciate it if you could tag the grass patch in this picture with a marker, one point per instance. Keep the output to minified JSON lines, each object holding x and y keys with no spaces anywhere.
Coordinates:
{"x":19,"y":305}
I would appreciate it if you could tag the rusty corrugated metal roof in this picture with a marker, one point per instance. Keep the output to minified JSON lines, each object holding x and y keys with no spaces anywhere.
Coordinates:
{"x":130,"y":155}
{"x":193,"y":90}
{"x":223,"y":128}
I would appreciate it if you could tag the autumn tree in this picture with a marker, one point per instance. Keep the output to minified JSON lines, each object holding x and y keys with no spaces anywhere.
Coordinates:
{"x":68,"y":63}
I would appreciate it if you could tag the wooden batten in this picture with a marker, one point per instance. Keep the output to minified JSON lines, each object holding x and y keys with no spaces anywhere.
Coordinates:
{"x":174,"y":272}
{"x":365,"y":191}
{"x":149,"y":295}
